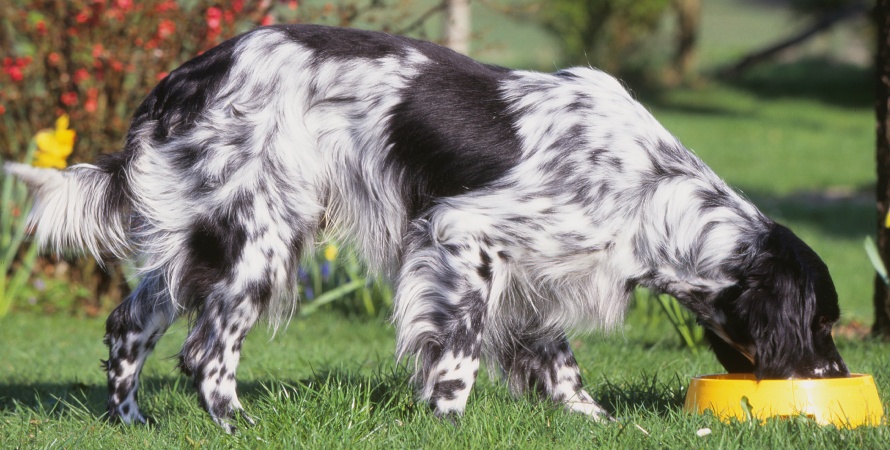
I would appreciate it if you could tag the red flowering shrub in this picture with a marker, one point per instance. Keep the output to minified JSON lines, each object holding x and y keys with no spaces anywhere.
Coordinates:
{"x":95,"y":60}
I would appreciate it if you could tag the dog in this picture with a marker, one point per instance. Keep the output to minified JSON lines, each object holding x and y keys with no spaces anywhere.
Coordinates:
{"x":507,"y":206}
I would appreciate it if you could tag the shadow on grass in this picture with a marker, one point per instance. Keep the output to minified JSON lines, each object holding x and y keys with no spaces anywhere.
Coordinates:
{"x":649,"y":393}
{"x":391,"y":391}
{"x":841,"y":214}
{"x":53,"y":399}
{"x":819,"y":79}
{"x":816,"y":79}
{"x":337,"y":389}
{"x":700,"y":103}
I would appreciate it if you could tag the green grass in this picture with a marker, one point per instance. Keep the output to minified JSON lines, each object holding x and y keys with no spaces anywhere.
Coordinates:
{"x":331,"y":382}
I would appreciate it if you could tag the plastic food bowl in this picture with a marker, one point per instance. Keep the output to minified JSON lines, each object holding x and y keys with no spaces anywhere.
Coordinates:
{"x":843,"y":402}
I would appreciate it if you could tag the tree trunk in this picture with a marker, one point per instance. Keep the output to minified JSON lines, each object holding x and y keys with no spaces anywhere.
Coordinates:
{"x":882,"y":102}
{"x":457,"y":25}
{"x":688,"y":18}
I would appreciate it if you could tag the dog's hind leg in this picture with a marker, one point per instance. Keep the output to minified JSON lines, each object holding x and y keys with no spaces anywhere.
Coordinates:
{"x":232,"y":281}
{"x":545,"y":364}
{"x":441,"y":306}
{"x":132,"y":330}
{"x":212,"y":351}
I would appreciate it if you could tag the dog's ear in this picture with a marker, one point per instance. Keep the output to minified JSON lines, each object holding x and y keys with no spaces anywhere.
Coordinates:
{"x":780,"y":303}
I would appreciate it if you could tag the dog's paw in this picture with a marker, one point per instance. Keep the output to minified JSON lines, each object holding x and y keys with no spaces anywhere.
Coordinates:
{"x":128,"y":414}
{"x":226,"y":424}
{"x":233,"y":420}
{"x":246,"y":418}
{"x":583,"y":403}
{"x":590,"y":409}
{"x":451,"y":417}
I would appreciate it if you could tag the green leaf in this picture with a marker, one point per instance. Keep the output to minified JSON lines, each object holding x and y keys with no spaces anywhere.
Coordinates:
{"x":874,"y":256}
{"x":332,"y":295}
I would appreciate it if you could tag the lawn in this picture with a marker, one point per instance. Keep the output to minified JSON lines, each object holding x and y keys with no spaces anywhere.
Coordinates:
{"x":331,"y":382}
{"x":795,"y":137}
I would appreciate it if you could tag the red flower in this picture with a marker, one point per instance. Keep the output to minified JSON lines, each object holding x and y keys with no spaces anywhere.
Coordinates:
{"x":92,"y":102}
{"x":13,"y":68}
{"x":15,"y":73}
{"x":166,"y":28}
{"x":124,"y":4}
{"x":82,"y":17}
{"x":267,"y":20}
{"x":169,"y":5}
{"x":81,"y":75}
{"x":2,"y":110}
{"x":161,"y":76}
{"x":53,"y":58}
{"x":214,"y":17}
{"x":69,"y":98}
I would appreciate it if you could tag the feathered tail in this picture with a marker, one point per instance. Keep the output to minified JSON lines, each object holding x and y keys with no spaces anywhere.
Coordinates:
{"x":80,"y":208}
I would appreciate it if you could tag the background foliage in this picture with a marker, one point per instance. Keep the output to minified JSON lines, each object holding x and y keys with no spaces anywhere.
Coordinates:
{"x":611,"y":34}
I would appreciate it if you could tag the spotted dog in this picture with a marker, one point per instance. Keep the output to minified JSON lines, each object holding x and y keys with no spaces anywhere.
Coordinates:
{"x":507,"y":206}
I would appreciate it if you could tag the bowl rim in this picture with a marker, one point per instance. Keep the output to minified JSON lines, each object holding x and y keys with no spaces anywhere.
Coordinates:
{"x":749,"y":378}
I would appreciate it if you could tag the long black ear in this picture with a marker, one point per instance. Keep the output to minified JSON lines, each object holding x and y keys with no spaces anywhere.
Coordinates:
{"x":730,"y":358}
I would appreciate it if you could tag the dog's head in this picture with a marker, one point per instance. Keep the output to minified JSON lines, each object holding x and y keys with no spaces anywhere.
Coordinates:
{"x":776,"y":321}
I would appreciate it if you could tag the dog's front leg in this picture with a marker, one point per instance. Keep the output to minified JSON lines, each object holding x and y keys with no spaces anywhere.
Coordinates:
{"x":441,"y":306}
{"x":543,"y":362}
{"x":451,"y":363}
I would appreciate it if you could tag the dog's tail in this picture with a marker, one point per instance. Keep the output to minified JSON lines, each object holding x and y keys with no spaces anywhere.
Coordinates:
{"x":83,"y":207}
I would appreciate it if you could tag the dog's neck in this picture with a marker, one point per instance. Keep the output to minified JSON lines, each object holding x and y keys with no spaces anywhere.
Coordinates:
{"x":695,"y":244}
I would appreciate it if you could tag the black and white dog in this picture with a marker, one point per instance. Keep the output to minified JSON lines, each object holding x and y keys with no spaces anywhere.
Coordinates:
{"x":508,"y":206}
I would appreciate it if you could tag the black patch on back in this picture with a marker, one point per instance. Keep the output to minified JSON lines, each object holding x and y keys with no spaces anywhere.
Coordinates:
{"x":452,"y":131}
{"x":345,"y":43}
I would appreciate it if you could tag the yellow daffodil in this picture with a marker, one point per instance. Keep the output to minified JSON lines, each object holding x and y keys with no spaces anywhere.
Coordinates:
{"x":54,"y":146}
{"x":887,"y":221}
{"x":330,"y":252}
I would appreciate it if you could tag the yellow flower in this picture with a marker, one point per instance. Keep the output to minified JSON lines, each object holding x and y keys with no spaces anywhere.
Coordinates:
{"x":54,"y":146}
{"x":330,"y":252}
{"x":887,"y":221}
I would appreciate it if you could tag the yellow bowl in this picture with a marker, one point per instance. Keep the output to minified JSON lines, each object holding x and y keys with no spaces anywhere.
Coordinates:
{"x":843,"y":402}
